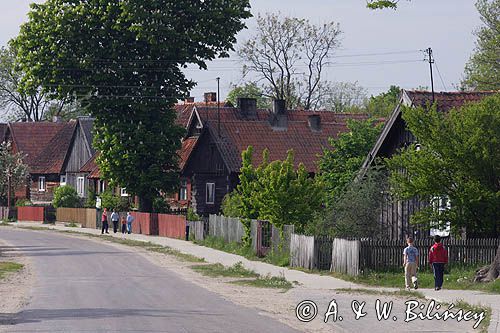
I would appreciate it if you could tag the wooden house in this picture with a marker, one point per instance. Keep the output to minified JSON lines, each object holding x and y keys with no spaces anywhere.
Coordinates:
{"x":395,"y":215}
{"x":80,"y":152}
{"x":45,"y":146}
{"x":220,"y":136}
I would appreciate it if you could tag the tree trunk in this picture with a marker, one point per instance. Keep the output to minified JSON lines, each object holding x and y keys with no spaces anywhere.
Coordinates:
{"x":491,"y":272}
{"x":145,"y":204}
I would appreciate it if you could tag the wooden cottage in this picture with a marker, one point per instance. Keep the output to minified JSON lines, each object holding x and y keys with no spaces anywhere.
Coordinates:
{"x":395,"y":215}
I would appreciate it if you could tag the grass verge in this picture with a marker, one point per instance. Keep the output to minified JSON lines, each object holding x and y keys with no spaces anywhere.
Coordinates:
{"x":483,"y":327}
{"x":267,"y":282}
{"x":216,"y":270}
{"x":398,"y":293}
{"x":7,"y":267}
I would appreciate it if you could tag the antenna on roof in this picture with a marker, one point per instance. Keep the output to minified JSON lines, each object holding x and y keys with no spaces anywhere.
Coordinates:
{"x":431,"y":61}
{"x":218,"y":106}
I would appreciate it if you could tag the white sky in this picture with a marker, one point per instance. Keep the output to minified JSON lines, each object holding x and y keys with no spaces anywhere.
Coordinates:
{"x":444,"y":25}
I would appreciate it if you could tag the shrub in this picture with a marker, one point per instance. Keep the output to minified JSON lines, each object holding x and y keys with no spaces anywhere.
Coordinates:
{"x":66,"y":196}
{"x":192,"y":216}
{"x":23,"y":202}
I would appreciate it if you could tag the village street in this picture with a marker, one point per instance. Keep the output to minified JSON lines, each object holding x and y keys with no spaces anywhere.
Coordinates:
{"x":83,"y":285}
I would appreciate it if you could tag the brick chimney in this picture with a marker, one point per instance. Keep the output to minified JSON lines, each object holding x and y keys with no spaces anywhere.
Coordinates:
{"x":279,"y":117}
{"x":279,"y":106}
{"x":210,"y":97}
{"x":314,"y":121}
{"x":189,"y":100}
{"x":248,"y":108}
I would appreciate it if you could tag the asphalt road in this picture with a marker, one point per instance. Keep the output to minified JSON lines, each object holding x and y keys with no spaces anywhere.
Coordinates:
{"x":85,"y":286}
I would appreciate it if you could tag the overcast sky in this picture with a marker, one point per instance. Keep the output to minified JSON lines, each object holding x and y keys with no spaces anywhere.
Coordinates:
{"x":444,"y":25}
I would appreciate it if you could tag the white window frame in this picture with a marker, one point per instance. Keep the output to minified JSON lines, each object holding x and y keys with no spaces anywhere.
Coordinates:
{"x":102,"y":186}
{"x":207,"y":186}
{"x":42,"y":185}
{"x":123,"y":192}
{"x":441,"y":204}
{"x":80,"y":186}
{"x":183,"y":191}
{"x":62,"y":180}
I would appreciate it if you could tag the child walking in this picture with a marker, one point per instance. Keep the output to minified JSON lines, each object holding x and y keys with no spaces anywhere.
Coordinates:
{"x":438,"y":257}
{"x":410,"y":263}
{"x":124,"y":227}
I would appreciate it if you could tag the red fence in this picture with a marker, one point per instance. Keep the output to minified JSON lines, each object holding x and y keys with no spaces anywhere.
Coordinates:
{"x":173,"y":226}
{"x":30,"y":214}
{"x":145,"y":223}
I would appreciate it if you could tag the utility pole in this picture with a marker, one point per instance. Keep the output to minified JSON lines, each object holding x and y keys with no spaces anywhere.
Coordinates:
{"x":431,"y":61}
{"x":218,"y":106}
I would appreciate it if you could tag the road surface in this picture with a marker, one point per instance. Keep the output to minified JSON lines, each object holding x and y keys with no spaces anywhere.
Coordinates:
{"x":86,"y":286}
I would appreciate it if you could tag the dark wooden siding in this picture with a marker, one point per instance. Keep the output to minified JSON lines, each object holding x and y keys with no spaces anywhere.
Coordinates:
{"x":46,"y":197}
{"x":79,"y":155}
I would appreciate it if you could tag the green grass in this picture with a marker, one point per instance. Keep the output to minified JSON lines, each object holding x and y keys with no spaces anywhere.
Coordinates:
{"x":9,"y":267}
{"x":71,"y":225}
{"x":457,"y":279}
{"x":267,"y":282}
{"x":483,"y":327}
{"x":216,"y":270}
{"x":399,"y":293}
{"x":274,"y":257}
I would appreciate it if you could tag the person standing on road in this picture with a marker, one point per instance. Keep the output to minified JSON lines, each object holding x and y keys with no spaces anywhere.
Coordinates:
{"x":130,"y":219}
{"x":115,"y":218}
{"x":124,"y":226}
{"x":410,"y":263}
{"x":104,"y":221}
{"x":438,"y":257}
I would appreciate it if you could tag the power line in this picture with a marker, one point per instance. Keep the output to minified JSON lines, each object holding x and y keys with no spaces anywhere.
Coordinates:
{"x":440,"y":77}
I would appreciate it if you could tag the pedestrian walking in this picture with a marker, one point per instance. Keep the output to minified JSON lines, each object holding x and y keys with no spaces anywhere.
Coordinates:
{"x":124,"y":226}
{"x":130,"y":219}
{"x":410,"y":263}
{"x":438,"y":257}
{"x":115,"y":217}
{"x":104,"y":221}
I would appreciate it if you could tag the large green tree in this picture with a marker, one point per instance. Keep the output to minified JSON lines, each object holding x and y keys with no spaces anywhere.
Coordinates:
{"x":276,"y":191}
{"x":249,"y":90}
{"x":458,"y":159}
{"x":384,"y":103}
{"x":341,"y":161}
{"x":482,"y":72}
{"x":123,"y":61}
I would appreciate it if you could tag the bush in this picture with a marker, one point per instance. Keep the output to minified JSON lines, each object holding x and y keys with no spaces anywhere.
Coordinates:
{"x":23,"y":203}
{"x":192,"y":216}
{"x":66,"y":196}
{"x":160,"y":205}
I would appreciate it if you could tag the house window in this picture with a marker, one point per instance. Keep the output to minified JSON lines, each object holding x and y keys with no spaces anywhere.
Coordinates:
{"x":102,"y":186}
{"x":210,"y":193}
{"x":80,"y":186}
{"x":62,"y":180}
{"x":441,"y":205}
{"x":183,"y":190}
{"x":123,"y":192}
{"x":41,"y":184}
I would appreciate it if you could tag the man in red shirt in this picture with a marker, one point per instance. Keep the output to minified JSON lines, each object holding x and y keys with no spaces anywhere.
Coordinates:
{"x":438,"y":257}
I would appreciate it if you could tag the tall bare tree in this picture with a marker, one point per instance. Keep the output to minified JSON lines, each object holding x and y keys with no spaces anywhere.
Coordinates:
{"x":31,"y":105}
{"x":288,"y":55}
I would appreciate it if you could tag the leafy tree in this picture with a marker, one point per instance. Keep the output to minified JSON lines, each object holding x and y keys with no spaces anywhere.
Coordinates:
{"x":382,"y":4}
{"x":355,"y":212}
{"x":340,"y":162}
{"x":345,"y":97}
{"x":66,"y":196}
{"x":290,"y":55}
{"x":383,"y":104}
{"x":458,"y":159}
{"x":249,"y":90}
{"x":274,"y":191}
{"x":482,"y":72}
{"x":13,"y":171}
{"x":123,"y":61}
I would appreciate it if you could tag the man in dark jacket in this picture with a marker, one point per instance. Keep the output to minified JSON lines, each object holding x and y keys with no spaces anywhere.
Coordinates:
{"x":438,"y":257}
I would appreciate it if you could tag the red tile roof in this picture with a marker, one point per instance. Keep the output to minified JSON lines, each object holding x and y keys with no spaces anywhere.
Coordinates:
{"x":237,"y":135}
{"x":51,"y":159}
{"x":184,"y":110}
{"x":187,"y":147}
{"x":446,"y":100}
{"x":32,"y":138}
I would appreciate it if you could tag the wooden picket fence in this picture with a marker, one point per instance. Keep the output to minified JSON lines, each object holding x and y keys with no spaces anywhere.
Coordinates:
{"x":345,"y":256}
{"x":87,"y":217}
{"x":302,"y":251}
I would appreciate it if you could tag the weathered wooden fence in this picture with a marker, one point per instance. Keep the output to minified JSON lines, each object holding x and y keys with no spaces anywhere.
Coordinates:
{"x":84,"y":216}
{"x":173,"y":226}
{"x":228,"y":228}
{"x":4,"y":213}
{"x":198,"y":229}
{"x":346,"y":256}
{"x":302,"y":251}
